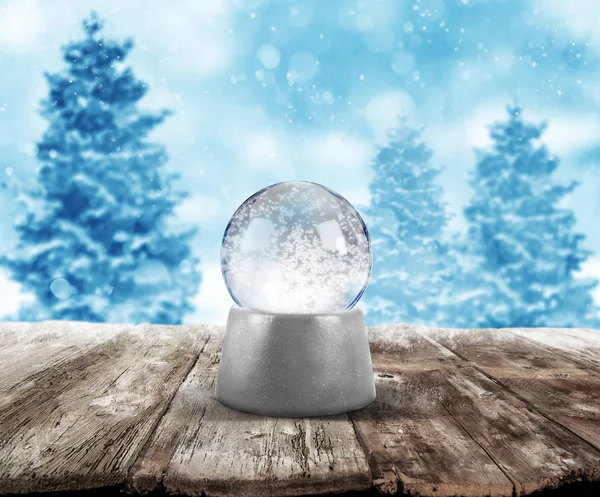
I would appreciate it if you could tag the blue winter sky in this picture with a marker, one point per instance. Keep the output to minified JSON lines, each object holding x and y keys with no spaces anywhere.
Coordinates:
{"x":266,"y":91}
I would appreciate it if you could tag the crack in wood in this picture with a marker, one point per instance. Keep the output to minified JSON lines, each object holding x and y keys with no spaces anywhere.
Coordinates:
{"x":82,"y":427}
{"x":490,"y":455}
{"x":524,"y":400}
{"x":300,"y":449}
{"x":551,"y":350}
{"x":136,"y":405}
{"x":145,"y":446}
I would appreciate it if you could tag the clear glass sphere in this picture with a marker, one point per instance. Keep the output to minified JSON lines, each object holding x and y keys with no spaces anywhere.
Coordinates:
{"x":296,"y":247}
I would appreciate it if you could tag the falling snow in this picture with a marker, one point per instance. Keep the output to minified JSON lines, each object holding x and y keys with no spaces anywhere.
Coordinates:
{"x":260,"y":92}
{"x":298,"y":248}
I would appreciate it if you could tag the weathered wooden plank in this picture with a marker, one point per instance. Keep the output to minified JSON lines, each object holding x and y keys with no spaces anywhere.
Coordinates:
{"x":78,"y":401}
{"x":81,"y":422}
{"x":27,"y":348}
{"x":579,"y":345}
{"x":561,"y":389}
{"x":204,"y":448}
{"x":442,"y":427}
{"x":412,"y":441}
{"x":587,"y":334}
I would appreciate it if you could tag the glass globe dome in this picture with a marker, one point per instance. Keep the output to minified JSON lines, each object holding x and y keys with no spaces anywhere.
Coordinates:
{"x":296,"y":247}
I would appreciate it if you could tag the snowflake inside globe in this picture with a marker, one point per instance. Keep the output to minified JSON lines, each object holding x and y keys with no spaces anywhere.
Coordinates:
{"x":296,"y":247}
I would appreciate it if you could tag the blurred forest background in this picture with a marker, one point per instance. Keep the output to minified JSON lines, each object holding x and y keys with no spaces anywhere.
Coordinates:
{"x":466,"y":132}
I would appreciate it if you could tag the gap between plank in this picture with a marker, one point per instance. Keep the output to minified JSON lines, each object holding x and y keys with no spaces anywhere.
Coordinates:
{"x":526,"y":402}
{"x":505,"y":472}
{"x":396,"y":487}
{"x":145,"y":445}
{"x":375,"y":473}
{"x":556,"y":352}
{"x":363,"y":447}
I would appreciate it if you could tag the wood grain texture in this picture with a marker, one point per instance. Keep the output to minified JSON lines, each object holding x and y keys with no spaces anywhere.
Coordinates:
{"x":81,"y":421}
{"x":27,"y":348}
{"x":458,"y":412}
{"x":204,"y":448}
{"x":423,"y":384}
{"x":413,"y":442}
{"x":581,"y":345}
{"x":562,"y":389}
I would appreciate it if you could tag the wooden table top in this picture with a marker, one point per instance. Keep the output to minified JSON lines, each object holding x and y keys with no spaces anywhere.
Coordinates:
{"x":496,"y":412}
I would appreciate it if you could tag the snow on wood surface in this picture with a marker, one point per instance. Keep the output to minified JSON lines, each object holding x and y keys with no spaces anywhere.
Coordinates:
{"x":581,"y":345}
{"x":471,"y":412}
{"x":202,"y":447}
{"x":80,"y":421}
{"x":433,"y":392}
{"x":556,"y":382}
{"x":26,"y":348}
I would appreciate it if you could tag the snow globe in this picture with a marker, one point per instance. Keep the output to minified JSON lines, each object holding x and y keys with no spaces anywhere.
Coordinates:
{"x":296,"y":258}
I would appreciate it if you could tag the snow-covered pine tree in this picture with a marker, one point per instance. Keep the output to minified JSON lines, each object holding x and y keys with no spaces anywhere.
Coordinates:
{"x":96,"y":241}
{"x":526,"y":251}
{"x":406,"y":219}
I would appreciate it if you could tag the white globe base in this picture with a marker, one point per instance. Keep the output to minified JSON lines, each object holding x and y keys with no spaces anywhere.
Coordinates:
{"x":295,"y":365}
